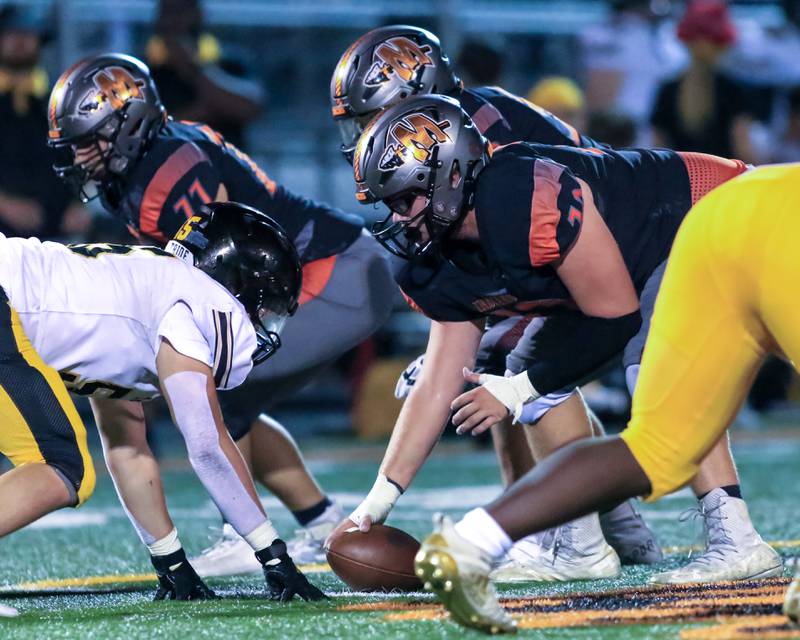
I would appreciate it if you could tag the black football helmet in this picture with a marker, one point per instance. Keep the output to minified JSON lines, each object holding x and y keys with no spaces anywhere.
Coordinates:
{"x":250,"y":255}
{"x":380,"y":69}
{"x":110,"y":99}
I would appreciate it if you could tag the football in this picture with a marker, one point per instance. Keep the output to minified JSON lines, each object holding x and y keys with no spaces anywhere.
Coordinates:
{"x":379,"y":560}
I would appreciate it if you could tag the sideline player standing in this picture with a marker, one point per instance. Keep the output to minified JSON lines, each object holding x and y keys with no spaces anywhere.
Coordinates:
{"x":579,"y":235}
{"x":154,"y":173}
{"x":723,"y":306}
{"x":123,"y":324}
{"x":391,"y":64}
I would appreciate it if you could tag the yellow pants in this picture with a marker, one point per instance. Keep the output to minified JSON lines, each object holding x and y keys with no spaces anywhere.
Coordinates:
{"x":729,"y":296}
{"x":38,"y":420}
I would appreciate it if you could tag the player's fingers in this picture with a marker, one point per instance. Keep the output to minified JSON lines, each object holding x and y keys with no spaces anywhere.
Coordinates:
{"x":485,"y":424}
{"x":365,"y":524}
{"x":464,"y":398}
{"x":463,"y":414}
{"x":470,"y":423}
{"x":343,"y":526}
{"x":471,"y":376}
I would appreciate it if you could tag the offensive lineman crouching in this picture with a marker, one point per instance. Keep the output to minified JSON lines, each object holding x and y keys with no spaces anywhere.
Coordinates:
{"x":123,"y":324}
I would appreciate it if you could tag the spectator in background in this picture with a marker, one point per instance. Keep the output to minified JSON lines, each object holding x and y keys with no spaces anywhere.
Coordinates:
{"x":561,"y":97}
{"x":786,"y":147}
{"x":33,"y":201}
{"x":613,"y":128}
{"x":704,"y":109}
{"x":479,"y":64}
{"x":195,"y":80}
{"x":627,"y":57}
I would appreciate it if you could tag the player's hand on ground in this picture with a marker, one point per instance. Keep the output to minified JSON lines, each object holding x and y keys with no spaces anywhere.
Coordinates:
{"x":476,"y":410}
{"x":284,"y":579}
{"x":177,"y":579}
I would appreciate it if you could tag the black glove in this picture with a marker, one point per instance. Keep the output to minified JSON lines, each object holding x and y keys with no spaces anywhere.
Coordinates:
{"x":284,"y":580}
{"x":177,"y":579}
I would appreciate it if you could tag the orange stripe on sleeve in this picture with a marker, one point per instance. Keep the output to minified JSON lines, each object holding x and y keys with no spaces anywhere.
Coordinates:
{"x":545,"y":215}
{"x":315,"y":276}
{"x":155,"y":196}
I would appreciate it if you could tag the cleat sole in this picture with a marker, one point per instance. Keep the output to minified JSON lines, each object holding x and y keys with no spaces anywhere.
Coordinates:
{"x":439,"y":572}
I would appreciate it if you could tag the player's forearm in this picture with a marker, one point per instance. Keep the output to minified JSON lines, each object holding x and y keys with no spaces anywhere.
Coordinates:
{"x":418,"y":429}
{"x":212,"y":454}
{"x":137,"y":479}
{"x":133,"y":467}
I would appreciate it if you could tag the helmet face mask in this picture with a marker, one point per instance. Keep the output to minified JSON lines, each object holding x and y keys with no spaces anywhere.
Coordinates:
{"x":382,"y":68}
{"x":425,"y":146}
{"x":109,"y":99}
{"x":250,"y":255}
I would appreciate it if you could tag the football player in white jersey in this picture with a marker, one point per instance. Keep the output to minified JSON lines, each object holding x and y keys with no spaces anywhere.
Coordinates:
{"x":124,"y":324}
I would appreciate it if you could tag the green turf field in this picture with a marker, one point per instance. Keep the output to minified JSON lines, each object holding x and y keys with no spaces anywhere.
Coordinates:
{"x":98,"y":541}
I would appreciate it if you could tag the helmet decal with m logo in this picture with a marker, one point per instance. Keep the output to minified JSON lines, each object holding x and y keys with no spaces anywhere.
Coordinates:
{"x":118,"y":86}
{"x":416,"y":133}
{"x":398,"y":55}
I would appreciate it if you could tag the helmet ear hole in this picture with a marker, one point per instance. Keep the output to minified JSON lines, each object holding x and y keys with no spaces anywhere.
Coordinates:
{"x":455,"y":175}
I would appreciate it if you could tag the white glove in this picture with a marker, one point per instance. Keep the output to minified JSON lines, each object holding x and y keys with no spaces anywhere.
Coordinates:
{"x":378,"y":503}
{"x":512,"y":391}
{"x":407,"y":379}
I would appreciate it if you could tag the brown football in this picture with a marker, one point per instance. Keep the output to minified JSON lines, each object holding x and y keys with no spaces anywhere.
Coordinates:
{"x":379,"y":560}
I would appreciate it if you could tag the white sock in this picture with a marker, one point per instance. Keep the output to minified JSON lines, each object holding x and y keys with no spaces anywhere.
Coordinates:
{"x":262,"y":536}
{"x":479,"y":528}
{"x":170,"y":543}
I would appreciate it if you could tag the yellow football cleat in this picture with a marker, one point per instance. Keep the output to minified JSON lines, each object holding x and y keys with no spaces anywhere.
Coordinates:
{"x":458,"y":572}
{"x":791,"y":602}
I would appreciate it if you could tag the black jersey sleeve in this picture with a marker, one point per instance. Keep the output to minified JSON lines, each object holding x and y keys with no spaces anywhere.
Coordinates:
{"x":504,"y":118}
{"x":539,"y":210}
{"x":185,"y":180}
{"x":570,"y":348}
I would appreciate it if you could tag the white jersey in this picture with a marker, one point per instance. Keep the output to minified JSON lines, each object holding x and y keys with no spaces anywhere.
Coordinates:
{"x":97,"y":313}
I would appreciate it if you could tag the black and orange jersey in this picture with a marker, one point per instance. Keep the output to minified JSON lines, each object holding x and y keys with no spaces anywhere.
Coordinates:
{"x":529,"y":211}
{"x":185,"y":167}
{"x":504,"y":118}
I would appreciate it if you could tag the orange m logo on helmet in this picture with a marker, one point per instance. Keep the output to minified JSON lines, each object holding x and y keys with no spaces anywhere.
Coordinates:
{"x":117,"y":86}
{"x":399,"y":55}
{"x":416,"y":133}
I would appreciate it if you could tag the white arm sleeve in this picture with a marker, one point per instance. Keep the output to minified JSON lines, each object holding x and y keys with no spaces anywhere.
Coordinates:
{"x":193,"y":416}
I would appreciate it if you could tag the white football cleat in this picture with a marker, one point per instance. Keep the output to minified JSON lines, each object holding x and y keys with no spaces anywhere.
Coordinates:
{"x":231,"y":555}
{"x":307,"y":545}
{"x":574,"y":551}
{"x":734,"y":550}
{"x":628,"y":534}
{"x":458,"y":572}
{"x":8,"y":612}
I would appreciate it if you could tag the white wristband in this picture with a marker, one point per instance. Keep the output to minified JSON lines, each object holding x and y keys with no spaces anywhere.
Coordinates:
{"x":513,"y":391}
{"x":379,"y":501}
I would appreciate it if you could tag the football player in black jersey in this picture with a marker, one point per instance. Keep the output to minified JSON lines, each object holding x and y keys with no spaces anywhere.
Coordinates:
{"x":154,"y":173}
{"x":577,"y":238}
{"x":388,"y":65}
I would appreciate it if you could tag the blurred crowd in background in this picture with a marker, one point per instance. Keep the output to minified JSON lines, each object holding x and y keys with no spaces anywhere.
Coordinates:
{"x":704,"y":75}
